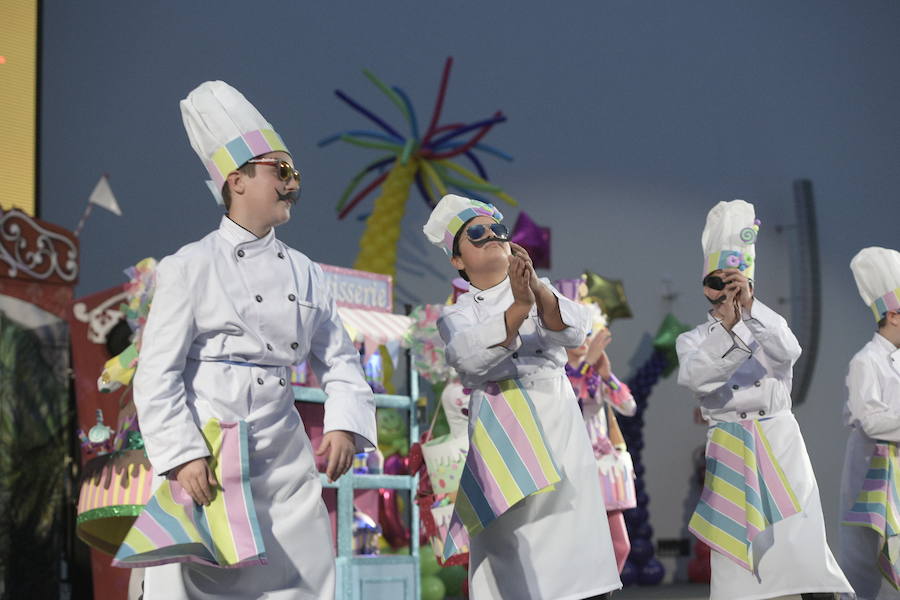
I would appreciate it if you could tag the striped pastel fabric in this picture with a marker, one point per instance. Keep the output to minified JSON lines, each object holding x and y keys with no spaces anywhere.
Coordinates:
{"x":878,"y":507}
{"x":745,"y":492}
{"x":509,"y":459}
{"x":235,"y":153}
{"x":888,"y":302}
{"x":476,"y":209}
{"x":224,"y":534}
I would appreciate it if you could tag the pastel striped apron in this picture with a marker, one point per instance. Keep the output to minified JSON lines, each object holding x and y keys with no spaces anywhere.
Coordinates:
{"x":744,"y":493}
{"x":172,"y":528}
{"x":878,"y":507}
{"x":509,"y":459}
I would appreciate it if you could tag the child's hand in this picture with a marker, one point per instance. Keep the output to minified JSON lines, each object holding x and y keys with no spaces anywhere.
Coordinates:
{"x":340,"y":449}
{"x":197,"y":479}
{"x":520,"y":280}
{"x":522,"y":253}
{"x":598,"y":346}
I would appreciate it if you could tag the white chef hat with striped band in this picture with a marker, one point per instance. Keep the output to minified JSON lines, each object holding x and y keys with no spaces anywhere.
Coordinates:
{"x":225,"y":130}
{"x":450,"y":214}
{"x":877,"y":274}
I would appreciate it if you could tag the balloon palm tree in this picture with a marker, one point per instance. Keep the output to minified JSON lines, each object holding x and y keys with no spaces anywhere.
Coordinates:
{"x":421,"y":157}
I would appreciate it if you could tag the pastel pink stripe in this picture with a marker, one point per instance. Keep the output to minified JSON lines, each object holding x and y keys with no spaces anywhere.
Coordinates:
{"x":256,"y":142}
{"x":154,"y":531}
{"x":121,"y":490}
{"x":507,"y":417}
{"x":214,"y":174}
{"x":235,"y":503}
{"x":773,"y":480}
{"x":891,"y":301}
{"x":723,"y":505}
{"x":727,"y":457}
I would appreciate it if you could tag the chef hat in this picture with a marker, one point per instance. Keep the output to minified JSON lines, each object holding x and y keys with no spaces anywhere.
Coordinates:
{"x":225,"y":130}
{"x":877,"y":274}
{"x":729,"y":237}
{"x":450,"y":214}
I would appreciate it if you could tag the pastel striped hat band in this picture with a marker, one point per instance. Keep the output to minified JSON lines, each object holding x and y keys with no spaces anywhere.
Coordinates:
{"x":890,"y":302}
{"x":241,"y":149}
{"x":456,"y":223}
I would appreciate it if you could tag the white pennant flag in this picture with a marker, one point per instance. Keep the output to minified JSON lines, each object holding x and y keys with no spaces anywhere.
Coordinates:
{"x":103,"y":196}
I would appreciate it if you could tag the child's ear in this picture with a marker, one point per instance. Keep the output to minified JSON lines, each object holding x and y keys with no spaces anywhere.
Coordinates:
{"x":457,"y":263}
{"x":235,"y":179}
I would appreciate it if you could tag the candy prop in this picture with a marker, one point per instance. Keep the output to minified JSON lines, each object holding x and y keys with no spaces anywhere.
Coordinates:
{"x":420,"y":157}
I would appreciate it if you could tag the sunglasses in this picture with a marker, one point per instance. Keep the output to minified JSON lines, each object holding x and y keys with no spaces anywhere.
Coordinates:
{"x":285,"y":170}
{"x":476,"y":232}
{"x":714,"y":282}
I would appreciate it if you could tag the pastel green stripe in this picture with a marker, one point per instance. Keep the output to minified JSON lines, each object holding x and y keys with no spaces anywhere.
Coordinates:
{"x":727,"y":542}
{"x":725,"y":489}
{"x":216,"y":513}
{"x":784,"y":480}
{"x":516,"y":398}
{"x":224,"y":161}
{"x":496,"y":465}
{"x":468,"y":515}
{"x":168,"y":505}
{"x":139,"y":542}
{"x":275,"y":141}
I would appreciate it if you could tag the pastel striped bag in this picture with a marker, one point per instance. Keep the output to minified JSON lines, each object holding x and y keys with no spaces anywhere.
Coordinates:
{"x":172,"y":528}
{"x":744,"y":493}
{"x":878,"y":507}
{"x":508,"y":460}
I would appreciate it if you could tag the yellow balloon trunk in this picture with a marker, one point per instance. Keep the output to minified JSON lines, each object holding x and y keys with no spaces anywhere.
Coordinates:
{"x":378,"y":244}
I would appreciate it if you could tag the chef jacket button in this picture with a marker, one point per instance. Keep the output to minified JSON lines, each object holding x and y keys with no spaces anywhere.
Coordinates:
{"x":735,"y":387}
{"x":258,"y":298}
{"x":269,"y":347}
{"x":259,"y":380}
{"x":743,"y":415}
{"x":515,"y":355}
{"x":762,"y":413}
{"x":240,"y":253}
{"x":538,"y":351}
{"x":294,"y":346}
{"x":281,"y":255}
{"x":479,"y":298}
{"x":757,"y":383}
{"x":281,"y":382}
{"x":292,"y":297}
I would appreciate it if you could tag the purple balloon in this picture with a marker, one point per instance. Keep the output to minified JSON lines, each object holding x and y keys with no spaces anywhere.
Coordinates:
{"x":395,"y":465}
{"x":629,"y":574}
{"x":642,"y":530}
{"x":652,"y":573}
{"x":641,"y":551}
{"x":642,"y":499}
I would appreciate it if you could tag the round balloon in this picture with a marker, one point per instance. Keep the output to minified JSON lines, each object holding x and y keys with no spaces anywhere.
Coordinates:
{"x":652,"y":573}
{"x":453,"y":578}
{"x":428,"y":564}
{"x":432,"y":588}
{"x":629,"y":573}
{"x":641,"y":551}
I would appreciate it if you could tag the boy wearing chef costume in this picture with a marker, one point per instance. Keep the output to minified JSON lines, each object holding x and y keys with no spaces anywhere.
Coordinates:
{"x":868,"y":549}
{"x":529,"y":506}
{"x":231,"y":314}
{"x":759,"y":510}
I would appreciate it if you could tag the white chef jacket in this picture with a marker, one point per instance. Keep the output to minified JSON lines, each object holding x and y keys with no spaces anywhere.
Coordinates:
{"x":746,"y":374}
{"x":231,"y":313}
{"x":872,"y":412}
{"x":554,"y":545}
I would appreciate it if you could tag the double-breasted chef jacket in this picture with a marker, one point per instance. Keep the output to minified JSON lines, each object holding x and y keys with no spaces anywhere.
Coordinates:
{"x":231,"y":314}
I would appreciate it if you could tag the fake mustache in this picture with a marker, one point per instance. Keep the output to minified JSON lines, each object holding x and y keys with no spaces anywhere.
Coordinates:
{"x":483,"y":241}
{"x":288,"y":197}
{"x":715,"y":301}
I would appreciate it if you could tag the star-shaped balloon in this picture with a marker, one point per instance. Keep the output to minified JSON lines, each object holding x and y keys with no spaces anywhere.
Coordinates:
{"x":609,"y":294}
{"x":665,"y":339}
{"x":534,"y":238}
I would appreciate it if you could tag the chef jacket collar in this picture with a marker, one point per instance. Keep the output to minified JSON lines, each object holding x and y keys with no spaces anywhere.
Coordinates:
{"x":491,"y":293}
{"x":245,"y":243}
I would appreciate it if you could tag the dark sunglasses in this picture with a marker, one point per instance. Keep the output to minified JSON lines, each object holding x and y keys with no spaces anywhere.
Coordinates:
{"x":476,"y":232}
{"x":285,"y":170}
{"x":714,"y":282}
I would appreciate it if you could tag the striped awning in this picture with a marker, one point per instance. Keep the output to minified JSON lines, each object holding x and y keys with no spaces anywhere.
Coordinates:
{"x":374,"y":328}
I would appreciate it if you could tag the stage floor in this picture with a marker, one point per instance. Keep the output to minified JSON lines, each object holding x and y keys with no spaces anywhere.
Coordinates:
{"x":675,"y":591}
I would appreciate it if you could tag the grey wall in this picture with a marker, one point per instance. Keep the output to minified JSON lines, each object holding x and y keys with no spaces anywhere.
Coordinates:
{"x":628,"y":121}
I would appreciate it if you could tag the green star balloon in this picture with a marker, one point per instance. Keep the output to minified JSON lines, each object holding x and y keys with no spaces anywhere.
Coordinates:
{"x":609,"y":294}
{"x":665,"y":339}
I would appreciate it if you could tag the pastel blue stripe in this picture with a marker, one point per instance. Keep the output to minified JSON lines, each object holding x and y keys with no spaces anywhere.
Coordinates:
{"x":511,"y":458}
{"x":239,"y":150}
{"x":469,"y":486}
{"x":168,"y":522}
{"x":248,"y":494}
{"x":723,"y":522}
